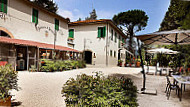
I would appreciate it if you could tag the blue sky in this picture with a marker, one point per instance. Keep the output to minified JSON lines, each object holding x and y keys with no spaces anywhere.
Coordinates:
{"x":106,"y":9}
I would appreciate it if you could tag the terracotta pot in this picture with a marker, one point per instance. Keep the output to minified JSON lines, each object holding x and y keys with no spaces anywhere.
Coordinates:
{"x":6,"y":102}
{"x":138,"y":64}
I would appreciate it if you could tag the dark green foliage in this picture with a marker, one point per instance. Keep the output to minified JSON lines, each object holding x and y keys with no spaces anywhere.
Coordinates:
{"x":47,"y":4}
{"x":50,"y":66}
{"x":8,"y":80}
{"x":132,"y":21}
{"x":177,"y":16}
{"x":100,"y":91}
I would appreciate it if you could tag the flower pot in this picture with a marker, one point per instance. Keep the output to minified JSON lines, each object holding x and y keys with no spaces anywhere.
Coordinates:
{"x":138,"y":64}
{"x":6,"y":102}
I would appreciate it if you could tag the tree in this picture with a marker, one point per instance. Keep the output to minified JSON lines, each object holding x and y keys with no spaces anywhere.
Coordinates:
{"x":131,"y":22}
{"x":177,"y":16}
{"x":47,"y":4}
{"x":93,"y":15}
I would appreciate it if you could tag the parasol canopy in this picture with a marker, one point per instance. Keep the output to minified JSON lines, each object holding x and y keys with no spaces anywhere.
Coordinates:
{"x":166,"y":37}
{"x":162,"y":50}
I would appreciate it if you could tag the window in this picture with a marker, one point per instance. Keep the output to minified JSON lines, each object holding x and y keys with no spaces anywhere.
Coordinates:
{"x":110,"y":52}
{"x":3,"y":6}
{"x":123,"y":40}
{"x":114,"y":53}
{"x":112,"y":34}
{"x":115,"y":37}
{"x":101,"y":32}
{"x":71,"y":33}
{"x":35,"y":16}
{"x":56,"y":24}
{"x":119,"y":42}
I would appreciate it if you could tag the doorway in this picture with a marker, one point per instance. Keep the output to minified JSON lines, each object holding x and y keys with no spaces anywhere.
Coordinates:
{"x":21,"y":58}
{"x":88,"y":57}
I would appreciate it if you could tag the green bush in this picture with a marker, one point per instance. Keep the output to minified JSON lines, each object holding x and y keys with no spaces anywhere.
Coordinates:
{"x":50,"y":66}
{"x":8,"y":80}
{"x":100,"y":91}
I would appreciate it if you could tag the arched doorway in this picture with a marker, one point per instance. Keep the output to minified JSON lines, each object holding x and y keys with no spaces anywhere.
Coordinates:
{"x":5,"y":33}
{"x":88,"y":57}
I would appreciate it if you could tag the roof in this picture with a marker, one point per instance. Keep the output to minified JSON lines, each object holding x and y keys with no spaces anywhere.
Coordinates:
{"x":45,"y":10}
{"x":35,"y":44}
{"x":87,"y":22}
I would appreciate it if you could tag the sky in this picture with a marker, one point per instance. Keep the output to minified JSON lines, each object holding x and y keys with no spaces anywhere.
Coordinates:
{"x":106,"y":9}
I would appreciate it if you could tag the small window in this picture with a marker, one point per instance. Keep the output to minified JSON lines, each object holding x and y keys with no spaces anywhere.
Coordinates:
{"x":35,"y":16}
{"x":101,"y":32}
{"x":3,"y":6}
{"x":112,"y":34}
{"x":110,"y":52}
{"x":115,"y":37}
{"x":71,"y":33}
{"x":114,"y":53}
{"x":123,"y":40}
{"x":56,"y":24}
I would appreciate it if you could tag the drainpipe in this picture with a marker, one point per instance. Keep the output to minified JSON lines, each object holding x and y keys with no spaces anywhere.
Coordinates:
{"x":107,"y":46}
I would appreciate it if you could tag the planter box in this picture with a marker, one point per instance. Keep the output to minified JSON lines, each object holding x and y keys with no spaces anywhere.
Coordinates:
{"x":6,"y":102}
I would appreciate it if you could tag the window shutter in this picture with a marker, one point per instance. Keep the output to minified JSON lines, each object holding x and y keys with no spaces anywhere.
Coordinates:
{"x":56,"y":24}
{"x":35,"y":16}
{"x":71,"y":33}
{"x":104,"y":31}
{"x":99,"y":32}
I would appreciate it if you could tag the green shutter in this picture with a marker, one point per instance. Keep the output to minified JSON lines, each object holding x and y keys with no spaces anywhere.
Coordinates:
{"x":104,"y":31}
{"x":123,"y":40}
{"x":3,"y":6}
{"x":35,"y":16}
{"x":71,"y":33}
{"x":56,"y":24}
{"x":99,"y":32}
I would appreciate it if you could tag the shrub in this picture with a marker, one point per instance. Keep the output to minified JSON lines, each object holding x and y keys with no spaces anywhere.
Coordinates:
{"x":50,"y":66}
{"x":8,"y":80}
{"x":100,"y":91}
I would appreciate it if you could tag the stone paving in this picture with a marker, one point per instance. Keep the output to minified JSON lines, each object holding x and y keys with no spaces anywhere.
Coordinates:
{"x":40,"y":89}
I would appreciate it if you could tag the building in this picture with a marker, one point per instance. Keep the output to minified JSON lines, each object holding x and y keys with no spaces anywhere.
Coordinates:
{"x":29,"y":33}
{"x":101,"y":41}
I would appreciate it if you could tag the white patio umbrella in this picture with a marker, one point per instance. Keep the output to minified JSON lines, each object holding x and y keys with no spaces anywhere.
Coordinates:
{"x":180,"y":37}
{"x":162,"y":51}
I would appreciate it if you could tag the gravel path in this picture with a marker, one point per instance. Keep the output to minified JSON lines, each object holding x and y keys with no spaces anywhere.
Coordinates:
{"x":40,"y":89}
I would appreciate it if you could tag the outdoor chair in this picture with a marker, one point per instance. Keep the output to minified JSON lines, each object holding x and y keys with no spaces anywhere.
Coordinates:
{"x":170,"y":87}
{"x":158,"y":69}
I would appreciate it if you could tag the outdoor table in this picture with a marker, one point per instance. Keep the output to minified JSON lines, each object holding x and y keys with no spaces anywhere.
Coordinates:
{"x":183,"y":81}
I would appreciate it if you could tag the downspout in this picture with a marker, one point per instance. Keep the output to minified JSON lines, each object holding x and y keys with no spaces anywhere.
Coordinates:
{"x":107,"y":46}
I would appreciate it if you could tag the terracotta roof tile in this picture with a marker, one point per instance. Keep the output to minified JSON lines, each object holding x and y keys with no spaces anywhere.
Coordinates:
{"x":35,"y":44}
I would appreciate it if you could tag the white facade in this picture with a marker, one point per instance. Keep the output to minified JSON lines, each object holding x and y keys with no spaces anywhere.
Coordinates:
{"x":86,"y":38}
{"x":18,"y":21}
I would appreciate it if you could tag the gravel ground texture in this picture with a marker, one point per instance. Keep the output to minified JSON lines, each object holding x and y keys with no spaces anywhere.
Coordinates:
{"x":41,"y":89}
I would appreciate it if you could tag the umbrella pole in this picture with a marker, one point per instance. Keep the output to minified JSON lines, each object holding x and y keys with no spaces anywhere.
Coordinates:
{"x":143,"y":72}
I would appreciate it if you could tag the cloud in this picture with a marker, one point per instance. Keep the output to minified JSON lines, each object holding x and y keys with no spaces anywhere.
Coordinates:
{"x":66,"y":14}
{"x":72,"y":15}
{"x":105,"y":14}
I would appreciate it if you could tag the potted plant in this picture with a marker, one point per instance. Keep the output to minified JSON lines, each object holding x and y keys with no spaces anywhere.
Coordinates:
{"x":8,"y":81}
{"x":138,"y":63}
{"x":120,"y":62}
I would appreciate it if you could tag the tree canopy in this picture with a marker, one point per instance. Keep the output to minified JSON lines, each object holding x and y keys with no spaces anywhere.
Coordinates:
{"x":177,"y":16}
{"x":93,"y":15}
{"x":50,"y":5}
{"x":131,"y":22}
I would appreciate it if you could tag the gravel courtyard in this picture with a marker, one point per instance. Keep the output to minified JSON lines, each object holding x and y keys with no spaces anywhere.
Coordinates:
{"x":40,"y":89}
